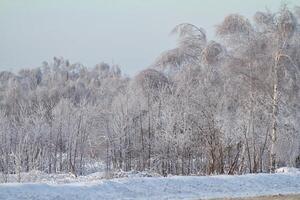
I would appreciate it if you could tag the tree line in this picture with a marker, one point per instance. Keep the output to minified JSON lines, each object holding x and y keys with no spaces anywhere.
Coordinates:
{"x":230,"y":106}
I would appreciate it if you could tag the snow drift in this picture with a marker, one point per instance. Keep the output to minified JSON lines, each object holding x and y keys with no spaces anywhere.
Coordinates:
{"x":176,"y":187}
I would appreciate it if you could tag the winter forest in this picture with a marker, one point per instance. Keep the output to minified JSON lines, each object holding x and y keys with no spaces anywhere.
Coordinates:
{"x":230,"y":105}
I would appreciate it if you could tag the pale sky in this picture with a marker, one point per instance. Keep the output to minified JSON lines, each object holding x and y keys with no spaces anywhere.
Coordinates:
{"x":131,"y":33}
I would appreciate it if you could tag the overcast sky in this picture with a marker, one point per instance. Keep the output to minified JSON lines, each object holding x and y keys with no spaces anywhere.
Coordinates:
{"x":131,"y":33}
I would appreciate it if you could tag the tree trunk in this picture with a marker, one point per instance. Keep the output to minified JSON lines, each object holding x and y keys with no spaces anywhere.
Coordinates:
{"x":274,"y":118}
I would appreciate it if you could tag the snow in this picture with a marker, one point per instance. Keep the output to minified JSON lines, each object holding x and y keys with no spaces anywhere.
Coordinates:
{"x":59,"y":178}
{"x":134,"y":174}
{"x":287,"y":170}
{"x":142,"y":188}
{"x":36,"y":176}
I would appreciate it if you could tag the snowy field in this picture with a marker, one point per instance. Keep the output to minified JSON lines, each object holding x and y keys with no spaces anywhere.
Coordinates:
{"x":286,"y":181}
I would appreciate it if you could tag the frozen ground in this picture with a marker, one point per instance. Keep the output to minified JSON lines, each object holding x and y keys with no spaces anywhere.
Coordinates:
{"x":62,"y":178}
{"x":176,"y":187}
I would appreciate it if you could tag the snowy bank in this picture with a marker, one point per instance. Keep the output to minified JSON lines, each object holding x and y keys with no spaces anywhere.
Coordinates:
{"x":36,"y":176}
{"x":287,"y":170}
{"x":176,"y":187}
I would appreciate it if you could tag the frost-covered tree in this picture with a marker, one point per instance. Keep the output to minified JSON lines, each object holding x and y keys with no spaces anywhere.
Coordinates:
{"x":205,"y":107}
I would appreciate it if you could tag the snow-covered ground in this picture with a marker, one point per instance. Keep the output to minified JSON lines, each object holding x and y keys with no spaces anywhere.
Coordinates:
{"x":176,"y":187}
{"x":36,"y":176}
